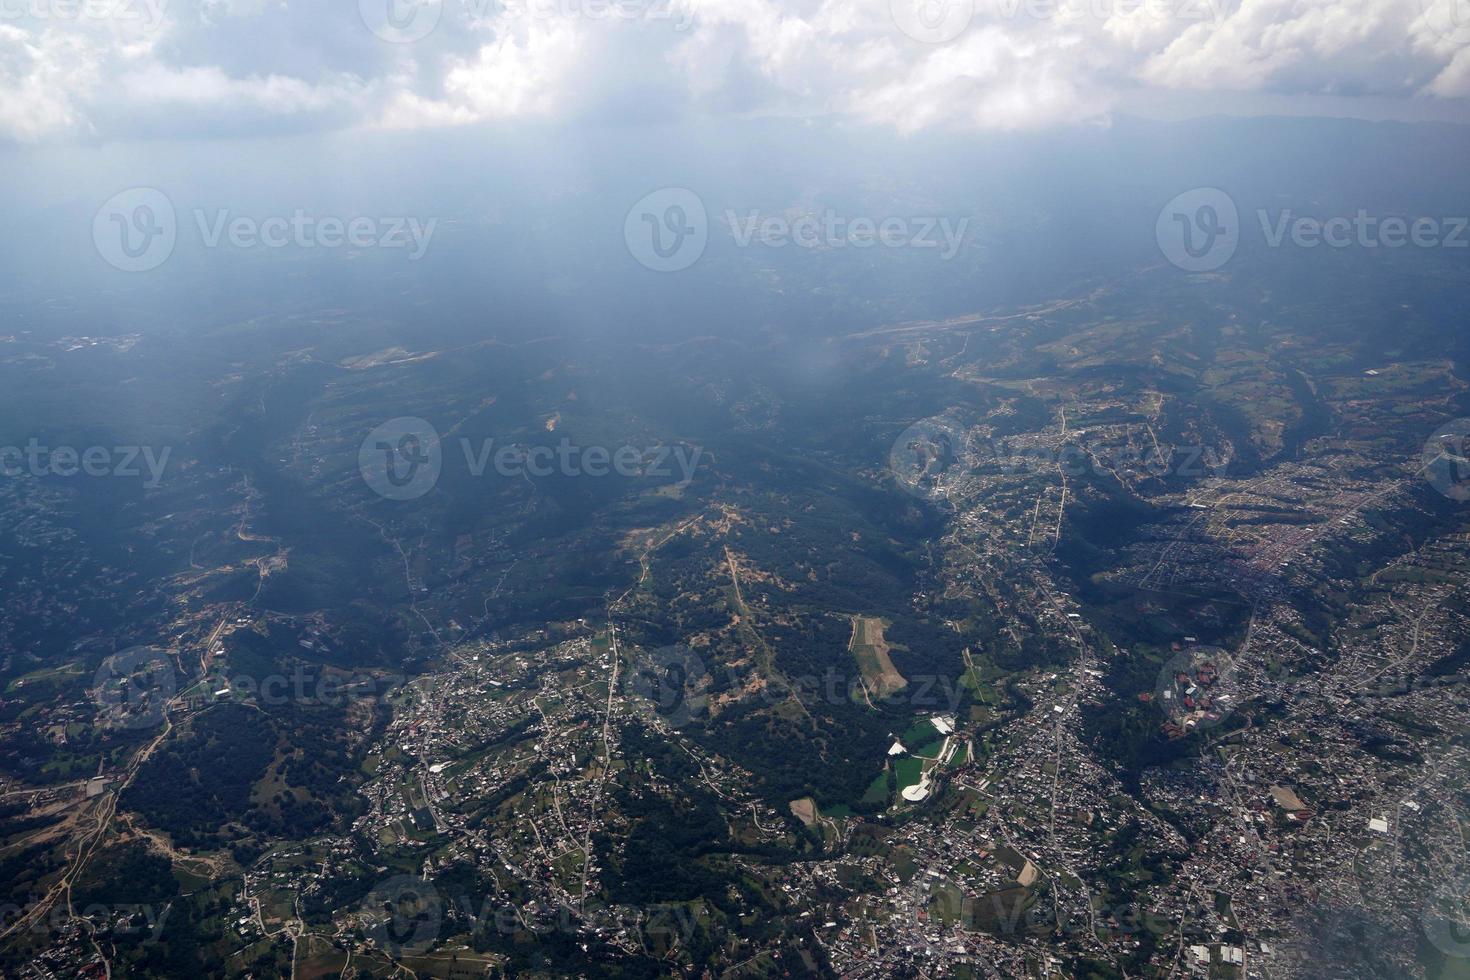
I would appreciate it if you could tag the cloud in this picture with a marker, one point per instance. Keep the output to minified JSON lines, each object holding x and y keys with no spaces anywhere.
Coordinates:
{"x":158,"y":85}
{"x":138,"y":67}
{"x":525,"y":67}
{"x":1324,"y":46}
{"x":43,"y":77}
{"x":990,"y":78}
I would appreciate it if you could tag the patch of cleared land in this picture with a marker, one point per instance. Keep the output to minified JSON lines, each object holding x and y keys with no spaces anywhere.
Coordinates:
{"x":805,"y":810}
{"x":871,"y":652}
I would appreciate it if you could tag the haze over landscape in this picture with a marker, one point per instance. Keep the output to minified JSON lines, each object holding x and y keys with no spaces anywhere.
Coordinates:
{"x":734,"y":488}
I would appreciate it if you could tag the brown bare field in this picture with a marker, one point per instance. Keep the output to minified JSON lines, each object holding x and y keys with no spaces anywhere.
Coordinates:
{"x":871,"y":651}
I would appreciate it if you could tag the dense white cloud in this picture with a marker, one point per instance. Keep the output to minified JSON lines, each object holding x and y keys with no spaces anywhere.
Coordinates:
{"x":1341,"y":45}
{"x":115,"y":68}
{"x":42,"y":77}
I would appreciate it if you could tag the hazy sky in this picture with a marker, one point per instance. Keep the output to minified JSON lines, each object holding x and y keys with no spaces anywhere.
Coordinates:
{"x":104,"y":69}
